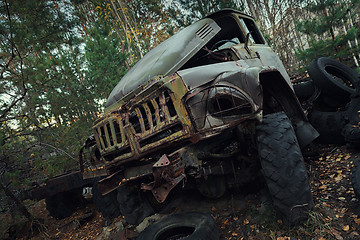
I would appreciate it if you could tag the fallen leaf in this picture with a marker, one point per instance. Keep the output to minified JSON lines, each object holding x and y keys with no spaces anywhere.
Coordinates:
{"x":346,"y":228}
{"x":344,"y":210}
{"x":234,"y":234}
{"x":246,"y":221}
{"x":336,"y":234}
{"x":339,"y":178}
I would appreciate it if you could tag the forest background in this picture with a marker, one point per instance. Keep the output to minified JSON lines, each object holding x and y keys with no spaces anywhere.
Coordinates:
{"x":59,"y":60}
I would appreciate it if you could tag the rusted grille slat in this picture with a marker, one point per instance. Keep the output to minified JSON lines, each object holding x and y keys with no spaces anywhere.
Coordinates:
{"x":164,"y":109}
{"x":152,"y":123}
{"x":144,"y":118}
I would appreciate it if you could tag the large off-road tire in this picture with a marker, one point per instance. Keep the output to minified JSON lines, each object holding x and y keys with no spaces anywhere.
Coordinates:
{"x":329,"y":125}
{"x":283,"y":167}
{"x":334,"y":78}
{"x":106,"y":204}
{"x":189,"y":226}
{"x":133,"y":204}
{"x":63,"y":204}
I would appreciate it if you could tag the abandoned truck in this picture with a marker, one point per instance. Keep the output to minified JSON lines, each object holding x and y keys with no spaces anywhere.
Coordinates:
{"x":206,"y":107}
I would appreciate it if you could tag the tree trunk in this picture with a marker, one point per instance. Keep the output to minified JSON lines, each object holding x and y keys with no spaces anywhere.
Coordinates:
{"x":22,"y":208}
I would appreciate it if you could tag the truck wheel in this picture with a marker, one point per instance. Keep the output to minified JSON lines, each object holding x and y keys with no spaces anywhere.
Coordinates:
{"x":334,"y":78}
{"x":190,"y":226}
{"x":107,"y":204}
{"x":134,"y":206}
{"x":63,"y":204}
{"x":283,"y":167}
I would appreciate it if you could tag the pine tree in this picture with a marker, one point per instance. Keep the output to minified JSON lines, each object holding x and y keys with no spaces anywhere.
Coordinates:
{"x":329,"y":31}
{"x":105,"y":59}
{"x":185,"y":12}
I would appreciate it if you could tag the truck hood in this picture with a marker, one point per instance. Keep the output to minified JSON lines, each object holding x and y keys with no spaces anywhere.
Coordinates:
{"x":166,"y":58}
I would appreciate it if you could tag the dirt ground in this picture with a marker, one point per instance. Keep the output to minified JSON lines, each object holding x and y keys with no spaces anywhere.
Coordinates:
{"x":245,"y":214}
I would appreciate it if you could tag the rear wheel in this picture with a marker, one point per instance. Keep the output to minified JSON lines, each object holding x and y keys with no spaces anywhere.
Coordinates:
{"x":133,"y":204}
{"x":106,"y":204}
{"x":283,"y":167}
{"x":63,"y":204}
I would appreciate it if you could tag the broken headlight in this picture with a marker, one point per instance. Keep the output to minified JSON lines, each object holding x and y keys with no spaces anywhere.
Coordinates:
{"x":219,"y":104}
{"x":226,"y":101}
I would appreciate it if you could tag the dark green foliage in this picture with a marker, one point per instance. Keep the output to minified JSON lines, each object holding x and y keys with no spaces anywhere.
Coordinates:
{"x":46,"y":108}
{"x":325,"y":30}
{"x":105,"y":59}
{"x":185,"y":12}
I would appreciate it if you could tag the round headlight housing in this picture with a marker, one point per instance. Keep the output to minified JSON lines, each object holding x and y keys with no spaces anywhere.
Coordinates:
{"x":227,"y":101}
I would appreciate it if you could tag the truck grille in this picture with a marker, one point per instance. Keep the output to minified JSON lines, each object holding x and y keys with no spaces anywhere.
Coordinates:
{"x":149,"y":125}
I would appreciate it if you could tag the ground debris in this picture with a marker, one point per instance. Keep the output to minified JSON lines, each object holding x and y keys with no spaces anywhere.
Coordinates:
{"x":247,"y":215}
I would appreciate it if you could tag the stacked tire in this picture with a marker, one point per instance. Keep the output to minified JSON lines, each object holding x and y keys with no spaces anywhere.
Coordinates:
{"x":332,"y":98}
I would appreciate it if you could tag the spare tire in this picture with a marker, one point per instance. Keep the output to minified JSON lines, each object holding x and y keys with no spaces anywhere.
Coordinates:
{"x":329,"y":125}
{"x":352,"y":110}
{"x":304,"y":90}
{"x":351,"y":133}
{"x":334,"y":78}
{"x":189,"y":226}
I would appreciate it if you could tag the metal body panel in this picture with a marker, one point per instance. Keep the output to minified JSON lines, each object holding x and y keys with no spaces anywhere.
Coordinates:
{"x":58,"y":184}
{"x":166,"y":58}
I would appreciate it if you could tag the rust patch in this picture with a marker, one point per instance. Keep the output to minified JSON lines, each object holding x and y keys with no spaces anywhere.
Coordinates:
{"x":167,"y":174}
